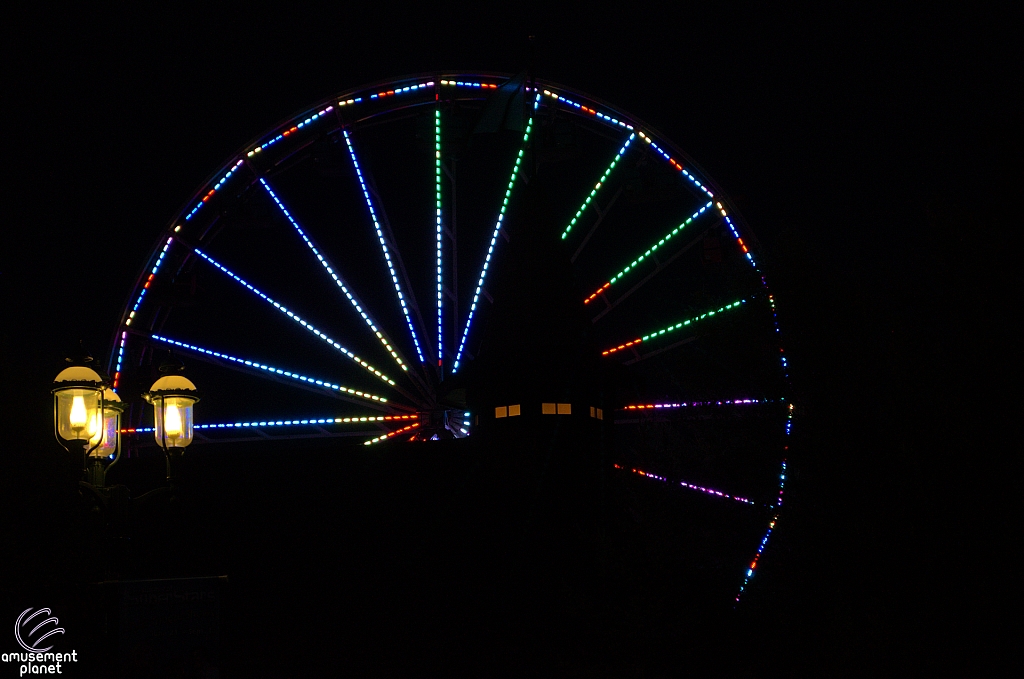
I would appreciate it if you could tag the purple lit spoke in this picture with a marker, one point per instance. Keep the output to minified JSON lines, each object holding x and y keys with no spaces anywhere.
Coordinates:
{"x":494,"y":238}
{"x":295,"y":317}
{"x":384,"y":247}
{"x":338,"y":280}
{"x":691,"y":486}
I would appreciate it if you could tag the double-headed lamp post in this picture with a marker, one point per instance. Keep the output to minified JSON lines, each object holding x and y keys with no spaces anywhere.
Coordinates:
{"x":173,"y":397}
{"x":87,"y":418}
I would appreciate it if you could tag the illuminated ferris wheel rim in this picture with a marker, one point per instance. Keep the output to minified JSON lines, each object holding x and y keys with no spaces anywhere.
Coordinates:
{"x":358,"y":108}
{"x":400,"y":93}
{"x":550,"y":91}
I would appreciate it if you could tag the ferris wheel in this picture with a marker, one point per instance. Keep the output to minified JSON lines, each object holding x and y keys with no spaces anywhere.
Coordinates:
{"x":342,"y":273}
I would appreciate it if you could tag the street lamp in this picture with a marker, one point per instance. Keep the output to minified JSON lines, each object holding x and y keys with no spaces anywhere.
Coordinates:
{"x":173,"y":397}
{"x":79,"y":411}
{"x":108,"y":452}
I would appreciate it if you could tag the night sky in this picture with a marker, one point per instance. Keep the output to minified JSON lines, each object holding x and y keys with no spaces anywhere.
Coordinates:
{"x":864,"y":148}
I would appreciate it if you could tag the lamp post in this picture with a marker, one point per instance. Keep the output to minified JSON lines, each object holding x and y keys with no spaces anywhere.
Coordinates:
{"x":173,"y":397}
{"x":108,"y":452}
{"x":79,"y":410}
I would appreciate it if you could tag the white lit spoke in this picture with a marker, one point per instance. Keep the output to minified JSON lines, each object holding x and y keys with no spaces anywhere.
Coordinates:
{"x":384,"y":246}
{"x":256,"y":365}
{"x":338,"y":280}
{"x":292,"y":315}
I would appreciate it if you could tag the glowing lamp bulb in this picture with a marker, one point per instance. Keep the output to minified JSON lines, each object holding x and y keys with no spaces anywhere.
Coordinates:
{"x":94,"y":429}
{"x":172,"y":422}
{"x":78,"y":416}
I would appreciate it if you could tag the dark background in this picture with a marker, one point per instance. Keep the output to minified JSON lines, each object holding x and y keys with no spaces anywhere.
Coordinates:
{"x":864,"y":147}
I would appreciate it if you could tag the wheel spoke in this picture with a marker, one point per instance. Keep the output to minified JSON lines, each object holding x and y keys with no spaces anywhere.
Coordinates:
{"x":386,"y":250}
{"x":597,"y":186}
{"x":439,"y":227}
{"x":494,"y":237}
{"x":660,"y":266}
{"x":392,"y":434}
{"x":764,"y":541}
{"x":338,"y":280}
{"x":254,"y":430}
{"x":263,"y":369}
{"x":672,"y":328}
{"x":691,"y":486}
{"x":693,"y":404}
{"x":295,"y":317}
{"x":632,"y":265}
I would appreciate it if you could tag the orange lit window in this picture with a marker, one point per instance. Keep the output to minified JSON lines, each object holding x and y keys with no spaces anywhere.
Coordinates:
{"x":564,"y":409}
{"x":547,"y":408}
{"x":501,"y":411}
{"x":513,"y":410}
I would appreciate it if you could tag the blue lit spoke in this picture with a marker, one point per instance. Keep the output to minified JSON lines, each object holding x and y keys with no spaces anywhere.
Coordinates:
{"x":440,"y":252}
{"x":384,"y":246}
{"x":270,"y":369}
{"x":337,"y":279}
{"x":764,"y":541}
{"x":494,"y":238}
{"x":597,"y":187}
{"x":311,"y":421}
{"x":296,"y":318}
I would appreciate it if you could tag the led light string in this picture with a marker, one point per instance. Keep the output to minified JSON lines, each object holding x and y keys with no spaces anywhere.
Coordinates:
{"x":271,"y":369}
{"x":591,"y":111}
{"x":494,"y":237}
{"x":685,"y":484}
{"x":289,"y":132}
{"x":212,"y":191}
{"x":775,"y":323}
{"x":391,"y":434}
{"x":672,"y":328}
{"x":597,"y":187}
{"x":401,"y":90}
{"x":295,"y":317}
{"x":694,"y":404}
{"x":120,"y":356}
{"x":337,"y":279}
{"x":384,"y":246}
{"x":386,"y":93}
{"x":437,"y":217}
{"x":464,"y":83}
{"x":736,"y":235}
{"x":764,"y":540}
{"x":676,"y":165}
{"x":632,"y":265}
{"x":149,"y":281}
{"x":283,"y":423}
